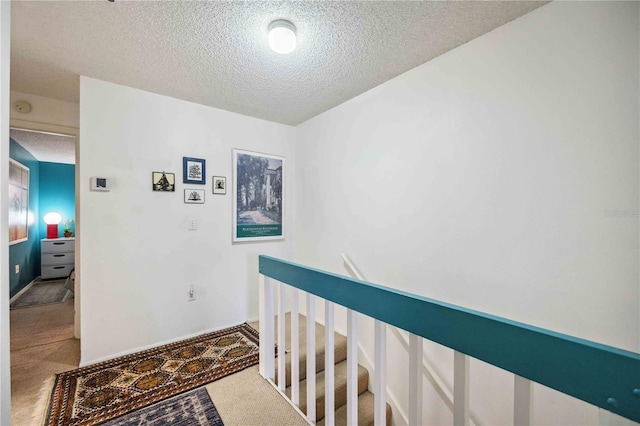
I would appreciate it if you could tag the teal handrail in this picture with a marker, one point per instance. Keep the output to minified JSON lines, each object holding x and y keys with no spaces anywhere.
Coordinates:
{"x":601,"y":375}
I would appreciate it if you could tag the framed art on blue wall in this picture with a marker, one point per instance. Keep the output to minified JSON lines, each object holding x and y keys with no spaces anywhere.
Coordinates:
{"x":258,"y":204}
{"x":193,"y":170}
{"x":18,"y":202}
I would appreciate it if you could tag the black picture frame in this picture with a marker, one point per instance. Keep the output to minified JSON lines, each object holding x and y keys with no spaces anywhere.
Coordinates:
{"x":219,"y":184}
{"x":163,"y":181}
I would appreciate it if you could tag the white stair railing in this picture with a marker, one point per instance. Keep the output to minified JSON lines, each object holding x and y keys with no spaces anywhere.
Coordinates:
{"x":418,"y":365}
{"x":597,"y":374}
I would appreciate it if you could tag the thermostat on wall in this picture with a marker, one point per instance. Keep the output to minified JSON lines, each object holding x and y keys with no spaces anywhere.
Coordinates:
{"x":100,"y":183}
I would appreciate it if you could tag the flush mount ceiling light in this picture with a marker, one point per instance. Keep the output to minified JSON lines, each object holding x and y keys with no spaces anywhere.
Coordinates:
{"x":282,"y":36}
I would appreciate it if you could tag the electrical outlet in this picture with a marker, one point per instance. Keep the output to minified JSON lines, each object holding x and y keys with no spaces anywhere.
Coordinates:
{"x":17,"y":269}
{"x":192,"y":293}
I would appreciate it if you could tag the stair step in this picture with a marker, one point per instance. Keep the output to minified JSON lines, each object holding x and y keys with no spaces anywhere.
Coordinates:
{"x":365,"y":398}
{"x":340,"y":383}
{"x":365,"y":412}
{"x":340,"y":348}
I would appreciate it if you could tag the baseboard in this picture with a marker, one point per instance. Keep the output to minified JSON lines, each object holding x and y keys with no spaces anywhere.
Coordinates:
{"x":27,"y":287}
{"x":154,"y":345}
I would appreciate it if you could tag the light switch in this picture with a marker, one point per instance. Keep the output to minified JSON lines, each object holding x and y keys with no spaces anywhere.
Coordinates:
{"x":192,"y":223}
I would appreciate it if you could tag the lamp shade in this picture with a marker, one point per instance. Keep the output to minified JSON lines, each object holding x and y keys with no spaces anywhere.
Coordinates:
{"x":52,"y":218}
{"x":282,"y":36}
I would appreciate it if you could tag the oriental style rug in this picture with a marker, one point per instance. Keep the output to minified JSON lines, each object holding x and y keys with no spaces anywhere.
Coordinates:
{"x":193,"y":408}
{"x":100,"y":392}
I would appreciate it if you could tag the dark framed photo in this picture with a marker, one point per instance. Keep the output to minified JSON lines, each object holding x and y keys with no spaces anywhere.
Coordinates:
{"x":194,"y":196}
{"x":219,"y":185}
{"x":165,"y":182}
{"x":193,"y":170}
{"x":258,"y":205}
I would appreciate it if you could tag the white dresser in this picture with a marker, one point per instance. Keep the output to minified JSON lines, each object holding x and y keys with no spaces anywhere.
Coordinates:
{"x":57,"y":257}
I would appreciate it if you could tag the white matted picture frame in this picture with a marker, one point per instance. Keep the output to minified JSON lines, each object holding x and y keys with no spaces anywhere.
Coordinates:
{"x":219,"y":185}
{"x":259,"y":201}
{"x":194,"y":196}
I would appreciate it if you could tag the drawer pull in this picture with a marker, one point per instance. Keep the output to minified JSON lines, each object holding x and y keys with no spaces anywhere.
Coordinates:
{"x":59,"y":255}
{"x":59,"y":267}
{"x":58,"y":244}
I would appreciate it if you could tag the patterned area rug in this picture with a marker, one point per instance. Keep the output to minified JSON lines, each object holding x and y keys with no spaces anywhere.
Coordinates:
{"x":100,"y":392}
{"x":43,"y":293}
{"x":193,"y":408}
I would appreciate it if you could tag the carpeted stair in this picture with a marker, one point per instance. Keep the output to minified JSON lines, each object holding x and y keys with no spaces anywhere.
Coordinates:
{"x":365,"y":398}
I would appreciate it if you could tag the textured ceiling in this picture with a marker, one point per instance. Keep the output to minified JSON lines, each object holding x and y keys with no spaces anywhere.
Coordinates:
{"x":215,"y":52}
{"x":47,"y":146}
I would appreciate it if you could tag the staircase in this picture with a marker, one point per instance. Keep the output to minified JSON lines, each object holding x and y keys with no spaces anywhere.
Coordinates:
{"x":365,"y":398}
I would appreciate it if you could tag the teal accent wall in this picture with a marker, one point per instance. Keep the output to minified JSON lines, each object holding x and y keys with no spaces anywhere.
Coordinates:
{"x":27,"y":253}
{"x":57,"y":193}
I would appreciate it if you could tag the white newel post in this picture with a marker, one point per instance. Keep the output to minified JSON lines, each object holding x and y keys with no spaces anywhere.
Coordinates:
{"x":282,"y":345}
{"x":460,"y":389}
{"x":311,"y":357}
{"x":267,"y":343}
{"x":415,"y":379}
{"x":295,"y":349}
{"x":380,"y":366}
{"x":329,"y":365}
{"x":522,"y":401}
{"x":352,"y":367}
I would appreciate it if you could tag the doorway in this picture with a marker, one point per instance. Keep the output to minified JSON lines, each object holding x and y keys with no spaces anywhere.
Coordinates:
{"x":44,"y":330}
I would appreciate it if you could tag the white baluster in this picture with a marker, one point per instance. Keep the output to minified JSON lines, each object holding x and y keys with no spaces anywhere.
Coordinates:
{"x":352,"y":367}
{"x":311,"y":357}
{"x":267,"y":343}
{"x":295,"y":349}
{"x":380,"y":366}
{"x":329,"y":365}
{"x":282,"y":302}
{"x":415,"y":379}
{"x":460,"y":389}
{"x":522,"y":400}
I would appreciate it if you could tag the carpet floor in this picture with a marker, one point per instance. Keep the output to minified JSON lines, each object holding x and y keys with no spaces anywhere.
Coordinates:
{"x":104,"y":391}
{"x":43,"y":293}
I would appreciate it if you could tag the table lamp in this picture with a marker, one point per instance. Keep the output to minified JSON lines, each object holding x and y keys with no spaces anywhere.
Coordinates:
{"x":52,"y":219}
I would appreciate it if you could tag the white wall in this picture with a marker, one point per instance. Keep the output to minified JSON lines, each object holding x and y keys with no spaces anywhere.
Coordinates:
{"x":5,"y":373}
{"x":138,"y":258}
{"x":486,"y":178}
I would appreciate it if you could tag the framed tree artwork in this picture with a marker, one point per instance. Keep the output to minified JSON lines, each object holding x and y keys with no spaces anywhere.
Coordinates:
{"x":194,"y":196}
{"x":219,"y":185}
{"x":193,"y":170}
{"x":165,"y":182}
{"x":258,"y":204}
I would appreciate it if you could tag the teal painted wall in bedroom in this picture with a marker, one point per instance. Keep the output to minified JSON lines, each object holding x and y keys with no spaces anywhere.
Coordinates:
{"x":57,"y":193}
{"x":26,"y":253}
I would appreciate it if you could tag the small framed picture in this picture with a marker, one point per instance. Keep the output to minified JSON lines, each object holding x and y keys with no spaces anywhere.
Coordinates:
{"x":164,"y":181}
{"x":194,"y":196}
{"x":193,"y":170}
{"x":219,"y":185}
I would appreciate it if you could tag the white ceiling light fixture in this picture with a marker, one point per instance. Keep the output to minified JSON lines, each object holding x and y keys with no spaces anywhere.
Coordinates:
{"x":282,"y":36}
